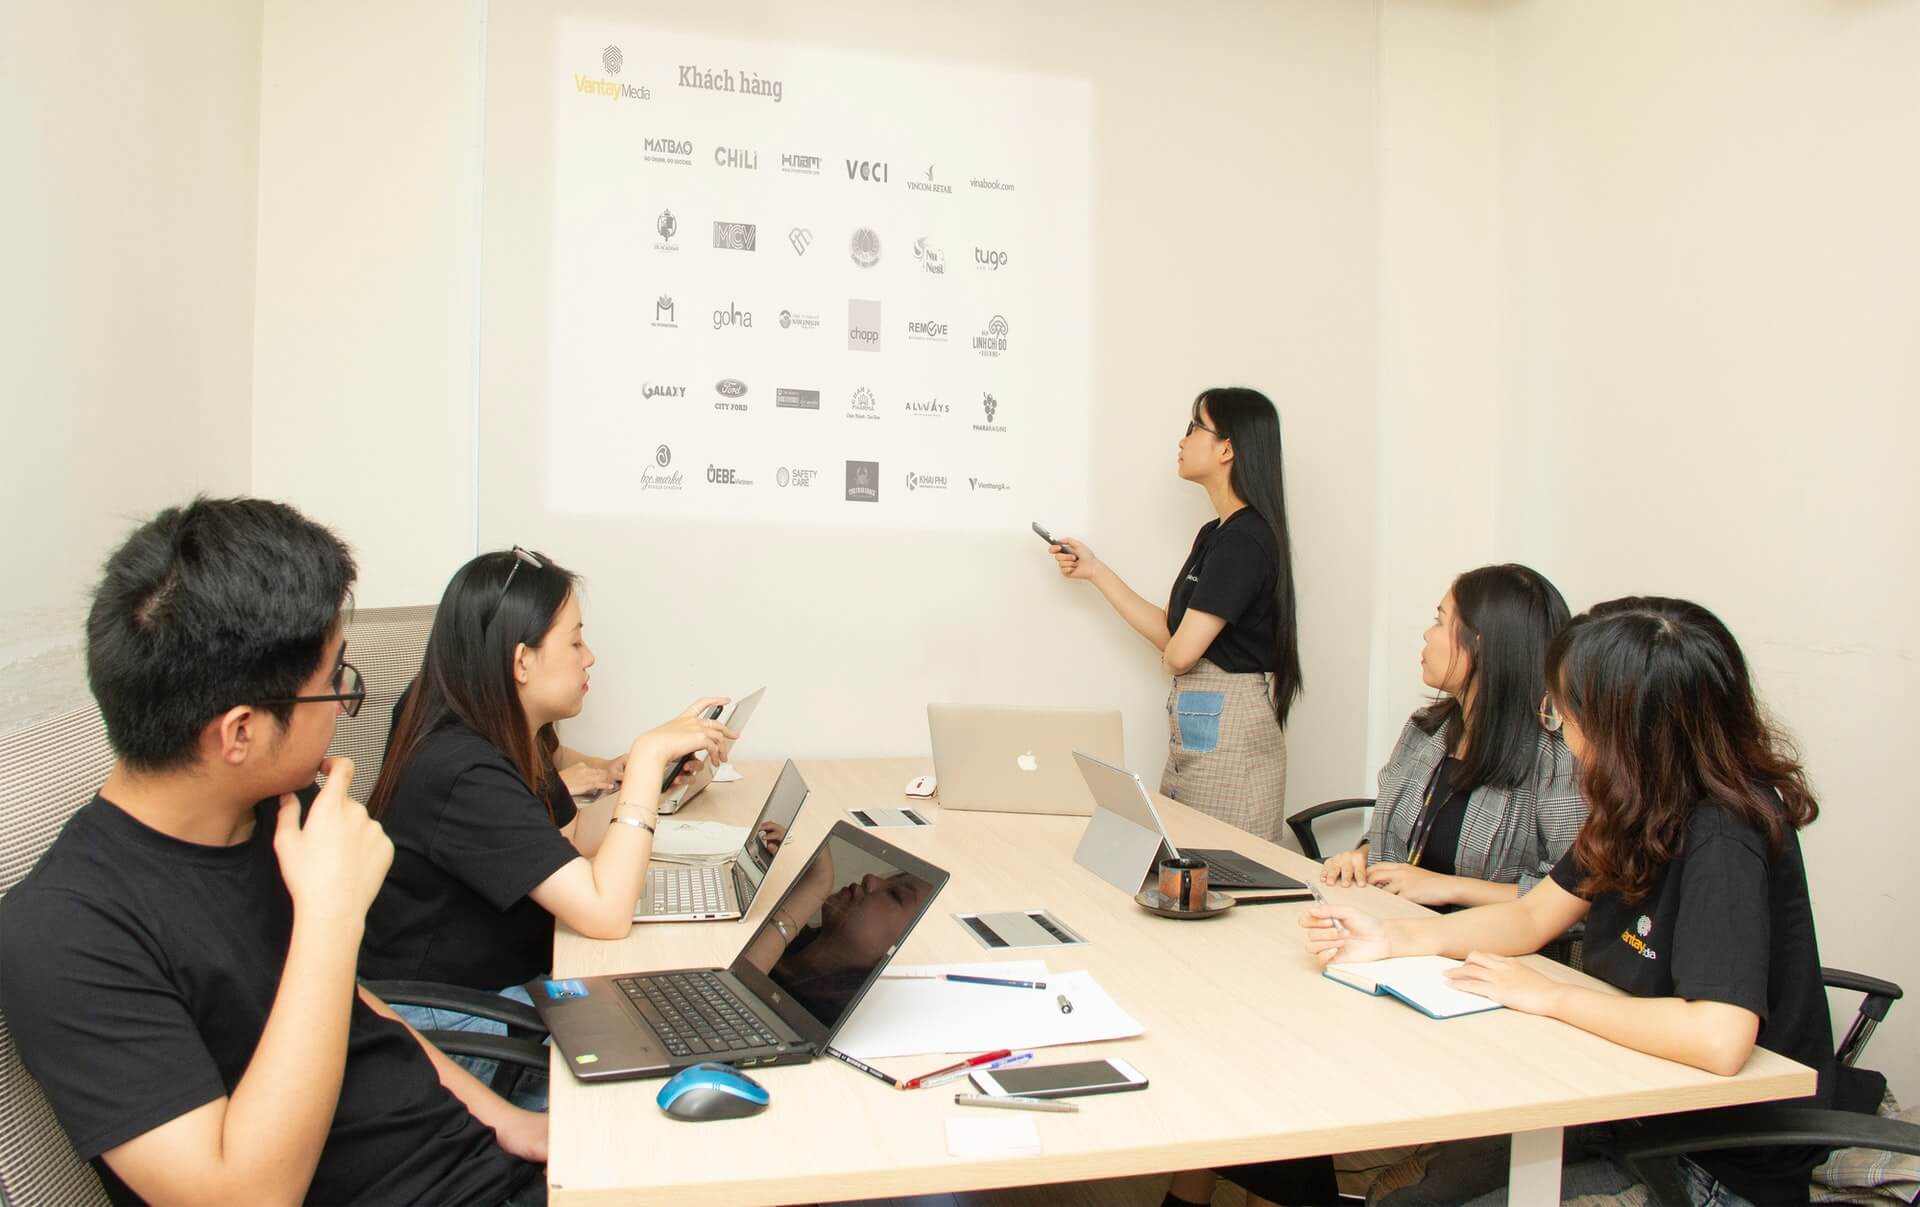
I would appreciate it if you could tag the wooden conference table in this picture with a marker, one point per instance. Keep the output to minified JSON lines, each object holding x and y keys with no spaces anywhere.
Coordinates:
{"x":1250,"y":1053}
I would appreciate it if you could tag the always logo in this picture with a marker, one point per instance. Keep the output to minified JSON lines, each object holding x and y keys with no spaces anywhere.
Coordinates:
{"x":932,"y":406}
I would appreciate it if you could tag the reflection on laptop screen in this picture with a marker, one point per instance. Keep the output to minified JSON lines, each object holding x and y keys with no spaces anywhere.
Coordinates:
{"x":770,"y":829}
{"x":851,"y":907}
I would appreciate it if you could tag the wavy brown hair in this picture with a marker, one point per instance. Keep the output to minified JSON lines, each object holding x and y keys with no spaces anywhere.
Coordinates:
{"x":1661,"y":693}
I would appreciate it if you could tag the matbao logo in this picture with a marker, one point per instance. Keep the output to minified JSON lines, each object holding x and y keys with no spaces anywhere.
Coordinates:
{"x":721,"y":475}
{"x":926,"y":481}
{"x":801,"y":165}
{"x":929,"y":329}
{"x":796,"y":400}
{"x":992,"y":341}
{"x":929,"y":185}
{"x":864,"y":247}
{"x":663,"y":311}
{"x":794,"y":319}
{"x":666,"y":226}
{"x":736,"y":157}
{"x":983,"y":484}
{"x":799,"y":479}
{"x":657,"y":476}
{"x":735,"y":236}
{"x":676,"y":151}
{"x":863,"y":481}
{"x":862,"y":405}
{"x":988,"y":259}
{"x":929,"y":256}
{"x":990,"y":405}
{"x":611,"y":61}
{"x":649,"y":390}
{"x":732,"y":316}
{"x":863,"y":325}
{"x":932,"y":406}
{"x":871,"y":171}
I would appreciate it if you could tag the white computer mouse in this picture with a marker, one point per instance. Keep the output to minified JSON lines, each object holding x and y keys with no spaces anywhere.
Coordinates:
{"x":921,"y":785}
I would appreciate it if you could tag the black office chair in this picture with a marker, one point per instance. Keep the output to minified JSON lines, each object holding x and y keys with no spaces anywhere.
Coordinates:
{"x":521,"y":1050}
{"x":1852,"y":1122}
{"x":1302,"y":822}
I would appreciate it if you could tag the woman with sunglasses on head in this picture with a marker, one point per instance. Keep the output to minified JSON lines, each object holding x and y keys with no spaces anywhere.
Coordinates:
{"x":1228,"y":634}
{"x":481,"y":822}
{"x":1687,"y":874}
{"x":1476,"y":803}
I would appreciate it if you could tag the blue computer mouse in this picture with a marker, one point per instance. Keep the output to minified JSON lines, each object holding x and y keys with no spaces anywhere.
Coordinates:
{"x":711,"y":1091}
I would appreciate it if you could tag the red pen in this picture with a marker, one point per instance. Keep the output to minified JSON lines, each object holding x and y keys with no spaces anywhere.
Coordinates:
{"x":916,"y":1082}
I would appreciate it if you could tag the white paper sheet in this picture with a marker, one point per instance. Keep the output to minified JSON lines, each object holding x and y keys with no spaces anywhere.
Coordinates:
{"x":914,"y":1018}
{"x":677,"y":841}
{"x":725,"y":774}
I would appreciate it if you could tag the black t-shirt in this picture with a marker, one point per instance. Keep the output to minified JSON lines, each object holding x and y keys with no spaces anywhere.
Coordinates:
{"x":469,"y":843}
{"x":1449,"y":807}
{"x":136,"y":973}
{"x":1231,"y":574}
{"x":1730,"y":922}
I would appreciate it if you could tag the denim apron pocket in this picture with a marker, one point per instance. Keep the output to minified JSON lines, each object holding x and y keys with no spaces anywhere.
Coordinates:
{"x":1199,"y":717}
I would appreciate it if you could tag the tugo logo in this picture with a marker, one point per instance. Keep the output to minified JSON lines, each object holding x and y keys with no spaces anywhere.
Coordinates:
{"x":868,"y":170}
{"x":732,"y":316}
{"x":649,"y":390}
{"x":992,"y":341}
{"x":663,"y":311}
{"x":988,"y":259}
{"x":800,"y":237}
{"x":929,"y":256}
{"x":931,"y":329}
{"x":734,"y":236}
{"x":736,"y":157}
{"x":864,"y":247}
{"x":863,"y":481}
{"x":863,"y":325}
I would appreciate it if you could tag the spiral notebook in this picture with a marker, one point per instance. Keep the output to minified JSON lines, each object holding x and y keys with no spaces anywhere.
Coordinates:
{"x":1419,"y":981}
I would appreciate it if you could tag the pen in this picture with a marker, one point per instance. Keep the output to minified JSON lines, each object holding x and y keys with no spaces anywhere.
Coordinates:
{"x":986,"y":1058}
{"x":1066,"y":1007}
{"x":962,"y":977}
{"x":1272,"y":898}
{"x":1015,"y":1103}
{"x":863,"y":1066}
{"x":927,"y":1083}
{"x":1314,"y":888}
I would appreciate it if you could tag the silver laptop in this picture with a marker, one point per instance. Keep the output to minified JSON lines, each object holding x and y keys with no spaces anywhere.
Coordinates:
{"x":735,"y":717}
{"x":1125,"y":840}
{"x":705,"y":892}
{"x":1017,"y":760}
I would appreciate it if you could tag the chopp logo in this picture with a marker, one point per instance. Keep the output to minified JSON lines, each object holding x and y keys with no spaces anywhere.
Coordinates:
{"x":863,"y":325}
{"x":735,"y":236}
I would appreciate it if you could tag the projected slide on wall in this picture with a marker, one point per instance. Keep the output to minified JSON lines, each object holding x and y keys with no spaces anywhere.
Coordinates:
{"x":803,"y":286}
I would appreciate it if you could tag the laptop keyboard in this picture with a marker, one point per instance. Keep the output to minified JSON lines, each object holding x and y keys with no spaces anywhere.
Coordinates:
{"x":695,"y":1013}
{"x":694,"y":890}
{"x":1219,"y":873}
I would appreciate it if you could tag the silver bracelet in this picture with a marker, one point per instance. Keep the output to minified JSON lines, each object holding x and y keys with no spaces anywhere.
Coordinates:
{"x":780,"y":924}
{"x":635,"y":821}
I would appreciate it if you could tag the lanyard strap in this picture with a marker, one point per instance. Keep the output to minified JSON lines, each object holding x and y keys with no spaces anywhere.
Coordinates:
{"x":1423,"y":821}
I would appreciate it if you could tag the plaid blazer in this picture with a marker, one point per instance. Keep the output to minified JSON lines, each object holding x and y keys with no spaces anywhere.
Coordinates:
{"x":1509,"y":836}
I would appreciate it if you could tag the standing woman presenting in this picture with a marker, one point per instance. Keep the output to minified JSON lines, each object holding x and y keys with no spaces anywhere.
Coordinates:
{"x":1228,"y":634}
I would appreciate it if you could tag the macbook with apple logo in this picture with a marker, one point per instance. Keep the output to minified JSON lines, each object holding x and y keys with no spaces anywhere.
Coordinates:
{"x":1018,"y":760}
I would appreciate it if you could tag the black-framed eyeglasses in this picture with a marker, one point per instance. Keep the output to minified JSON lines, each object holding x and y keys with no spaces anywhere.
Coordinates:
{"x":349,"y":691}
{"x":1550,"y":719}
{"x":519,"y":555}
{"x":1194,"y":425}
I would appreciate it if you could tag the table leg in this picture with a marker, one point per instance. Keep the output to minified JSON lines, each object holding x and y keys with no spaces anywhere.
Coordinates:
{"x":1533,"y":1174}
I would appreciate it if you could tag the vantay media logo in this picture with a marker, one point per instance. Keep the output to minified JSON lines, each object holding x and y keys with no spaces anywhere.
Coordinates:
{"x":614,"y":90}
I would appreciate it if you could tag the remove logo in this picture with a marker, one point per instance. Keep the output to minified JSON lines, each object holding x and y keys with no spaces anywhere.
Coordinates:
{"x":929,"y":256}
{"x":931,"y":329}
{"x":800,"y":237}
{"x":649,"y":390}
{"x":663,"y":311}
{"x":796,"y":400}
{"x":732,"y":316}
{"x":863,"y":481}
{"x":992,"y":341}
{"x":804,"y":165}
{"x":863,"y":325}
{"x":735,"y":157}
{"x":868,"y":170}
{"x":864,"y":247}
{"x":989,"y":260}
{"x":734,"y":236}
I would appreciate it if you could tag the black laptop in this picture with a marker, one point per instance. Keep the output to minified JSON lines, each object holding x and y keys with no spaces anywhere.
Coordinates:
{"x":785,"y":995}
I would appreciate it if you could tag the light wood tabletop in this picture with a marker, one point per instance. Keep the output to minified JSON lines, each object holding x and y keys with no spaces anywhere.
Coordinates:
{"x":1250,"y":1052}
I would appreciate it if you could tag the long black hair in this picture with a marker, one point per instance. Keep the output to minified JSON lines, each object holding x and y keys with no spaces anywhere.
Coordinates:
{"x":1662,"y":695}
{"x":1248,"y":418}
{"x":1504,"y":617}
{"x":494,"y":603}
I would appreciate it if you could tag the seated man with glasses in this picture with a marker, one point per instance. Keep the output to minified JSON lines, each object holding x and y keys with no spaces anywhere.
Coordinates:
{"x":178,"y":969}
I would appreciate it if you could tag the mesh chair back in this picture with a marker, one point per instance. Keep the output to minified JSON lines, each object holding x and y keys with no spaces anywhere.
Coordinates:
{"x":47,"y":771}
{"x":387,"y":644}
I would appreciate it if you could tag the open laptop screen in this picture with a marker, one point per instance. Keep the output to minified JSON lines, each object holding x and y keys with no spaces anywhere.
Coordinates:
{"x":845,"y":914}
{"x":769,"y":830}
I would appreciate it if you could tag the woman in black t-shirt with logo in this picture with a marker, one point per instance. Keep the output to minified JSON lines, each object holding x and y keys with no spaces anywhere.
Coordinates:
{"x":1688,"y":875}
{"x":1228,"y":634}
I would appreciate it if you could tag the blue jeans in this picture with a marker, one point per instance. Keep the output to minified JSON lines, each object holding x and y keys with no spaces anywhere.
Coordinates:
{"x":530,"y":1093}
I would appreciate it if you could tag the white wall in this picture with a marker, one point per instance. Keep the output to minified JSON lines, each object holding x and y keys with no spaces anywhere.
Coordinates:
{"x":126,"y":328}
{"x":1233,"y":242}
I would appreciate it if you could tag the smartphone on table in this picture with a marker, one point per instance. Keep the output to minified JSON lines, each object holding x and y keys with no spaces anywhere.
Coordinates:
{"x":1110,"y":1076}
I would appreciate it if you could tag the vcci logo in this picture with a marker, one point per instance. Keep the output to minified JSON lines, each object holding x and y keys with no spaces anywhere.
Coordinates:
{"x":734,"y":236}
{"x":732,"y":316}
{"x":649,"y":390}
{"x":868,"y":170}
{"x":736,"y":157}
{"x":988,"y":259}
{"x":863,"y":325}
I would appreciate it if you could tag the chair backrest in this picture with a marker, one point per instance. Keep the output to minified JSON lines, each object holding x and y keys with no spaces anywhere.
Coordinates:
{"x":48,"y":769}
{"x":387,"y":644}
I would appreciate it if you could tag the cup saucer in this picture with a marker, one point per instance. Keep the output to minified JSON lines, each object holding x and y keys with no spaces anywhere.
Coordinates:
{"x":1153,"y":901}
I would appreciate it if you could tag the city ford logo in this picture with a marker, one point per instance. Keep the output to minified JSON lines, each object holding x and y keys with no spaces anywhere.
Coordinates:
{"x":730,"y":387}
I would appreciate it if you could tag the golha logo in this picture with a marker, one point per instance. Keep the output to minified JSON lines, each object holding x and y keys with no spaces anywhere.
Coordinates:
{"x":732,"y":316}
